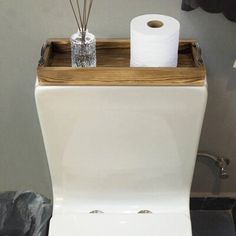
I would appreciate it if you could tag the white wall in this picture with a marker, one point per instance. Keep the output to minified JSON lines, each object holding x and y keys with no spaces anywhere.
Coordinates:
{"x":26,"y":24}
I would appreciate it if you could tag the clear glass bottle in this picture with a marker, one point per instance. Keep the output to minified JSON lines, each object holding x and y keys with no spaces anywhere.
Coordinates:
{"x":83,"y":49}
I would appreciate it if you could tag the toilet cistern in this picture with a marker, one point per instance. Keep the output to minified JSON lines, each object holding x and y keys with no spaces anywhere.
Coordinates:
{"x":121,"y":158}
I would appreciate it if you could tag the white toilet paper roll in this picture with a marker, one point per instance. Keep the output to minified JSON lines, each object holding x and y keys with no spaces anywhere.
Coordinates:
{"x":154,"y":41}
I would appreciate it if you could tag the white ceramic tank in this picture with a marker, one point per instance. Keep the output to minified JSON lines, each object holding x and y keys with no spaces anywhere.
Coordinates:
{"x":121,"y":150}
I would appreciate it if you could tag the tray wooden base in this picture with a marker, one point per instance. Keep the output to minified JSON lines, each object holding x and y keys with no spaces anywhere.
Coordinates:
{"x":113,"y":58}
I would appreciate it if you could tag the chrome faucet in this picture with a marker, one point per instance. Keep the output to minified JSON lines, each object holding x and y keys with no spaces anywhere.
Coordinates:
{"x":220,"y":162}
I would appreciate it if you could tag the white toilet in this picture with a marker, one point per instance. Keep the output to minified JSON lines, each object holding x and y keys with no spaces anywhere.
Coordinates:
{"x":121,"y":157}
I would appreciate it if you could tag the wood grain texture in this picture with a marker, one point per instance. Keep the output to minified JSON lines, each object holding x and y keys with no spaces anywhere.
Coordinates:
{"x":113,"y":69}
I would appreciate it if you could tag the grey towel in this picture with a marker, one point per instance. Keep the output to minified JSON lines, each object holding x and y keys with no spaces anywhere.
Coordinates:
{"x":24,"y":214}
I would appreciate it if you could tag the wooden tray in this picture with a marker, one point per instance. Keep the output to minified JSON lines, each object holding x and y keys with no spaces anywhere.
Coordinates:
{"x":113,"y":58}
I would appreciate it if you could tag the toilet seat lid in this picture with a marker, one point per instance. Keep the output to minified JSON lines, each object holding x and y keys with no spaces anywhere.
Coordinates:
{"x":163,"y":224}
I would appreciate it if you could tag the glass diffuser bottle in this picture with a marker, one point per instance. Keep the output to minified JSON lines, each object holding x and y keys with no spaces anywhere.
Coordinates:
{"x":83,"y":49}
{"x":83,"y":43}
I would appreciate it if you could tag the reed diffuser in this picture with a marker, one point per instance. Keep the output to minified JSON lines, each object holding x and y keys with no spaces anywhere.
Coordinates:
{"x":83,"y":43}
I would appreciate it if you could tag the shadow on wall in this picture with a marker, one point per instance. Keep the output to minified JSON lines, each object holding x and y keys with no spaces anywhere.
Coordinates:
{"x":227,"y":7}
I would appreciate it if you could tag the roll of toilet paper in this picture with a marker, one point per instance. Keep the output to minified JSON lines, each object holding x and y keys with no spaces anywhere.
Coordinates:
{"x":154,"y":41}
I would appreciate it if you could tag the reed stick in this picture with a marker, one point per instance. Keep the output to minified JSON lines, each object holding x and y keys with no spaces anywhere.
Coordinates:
{"x":78,"y":7}
{"x":84,"y":14}
{"x":90,"y":7}
{"x":73,"y":9}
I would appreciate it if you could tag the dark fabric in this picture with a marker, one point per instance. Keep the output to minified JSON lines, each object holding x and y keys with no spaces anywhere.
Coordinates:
{"x":230,"y":9}
{"x":227,"y":7}
{"x":24,"y":214}
{"x":189,"y":5}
